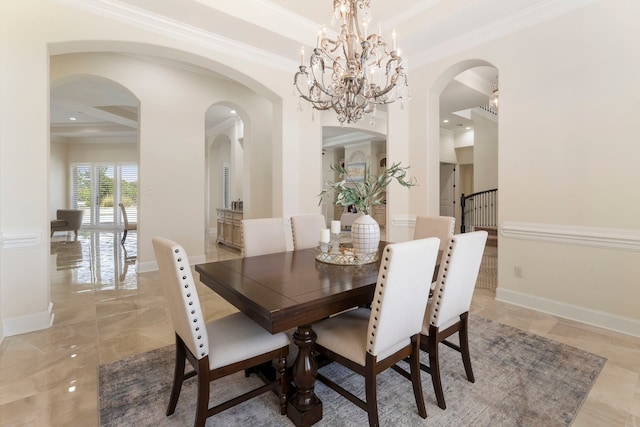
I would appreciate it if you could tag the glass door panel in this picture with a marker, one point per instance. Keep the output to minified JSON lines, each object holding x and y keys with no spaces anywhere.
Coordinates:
{"x":105,"y":195}
{"x":98,"y":190}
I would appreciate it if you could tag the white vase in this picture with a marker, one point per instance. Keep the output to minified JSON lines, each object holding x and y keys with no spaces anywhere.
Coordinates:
{"x":365,"y":234}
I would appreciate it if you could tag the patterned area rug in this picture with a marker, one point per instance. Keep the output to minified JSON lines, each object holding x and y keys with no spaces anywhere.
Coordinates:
{"x":521,"y":380}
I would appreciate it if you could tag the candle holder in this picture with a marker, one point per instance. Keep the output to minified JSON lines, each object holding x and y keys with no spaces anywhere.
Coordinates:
{"x":335,"y":243}
{"x":324,"y":247}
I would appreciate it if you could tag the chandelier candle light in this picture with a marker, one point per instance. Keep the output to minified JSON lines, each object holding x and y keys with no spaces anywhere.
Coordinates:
{"x":355,"y":72}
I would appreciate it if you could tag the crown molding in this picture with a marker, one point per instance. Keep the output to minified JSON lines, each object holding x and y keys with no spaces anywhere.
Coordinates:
{"x":141,"y":18}
{"x":536,"y":14}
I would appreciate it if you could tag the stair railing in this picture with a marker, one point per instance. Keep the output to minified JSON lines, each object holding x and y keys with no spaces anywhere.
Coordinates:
{"x":479,"y":210}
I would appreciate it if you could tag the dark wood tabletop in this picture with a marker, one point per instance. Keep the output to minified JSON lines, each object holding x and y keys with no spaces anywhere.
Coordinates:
{"x":284,"y":290}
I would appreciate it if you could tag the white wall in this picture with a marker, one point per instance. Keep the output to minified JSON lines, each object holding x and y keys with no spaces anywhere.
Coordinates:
{"x":566,"y":165}
{"x":171,"y":157}
{"x":24,"y":161}
{"x":485,"y":153}
{"x":101,"y":152}
{"x":219,"y":156}
{"x":566,"y":87}
{"x":574,"y":158}
{"x":447,"y":148}
{"x":58,"y":178}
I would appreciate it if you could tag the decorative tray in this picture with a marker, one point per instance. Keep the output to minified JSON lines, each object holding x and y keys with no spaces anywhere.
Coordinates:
{"x":346,"y":257}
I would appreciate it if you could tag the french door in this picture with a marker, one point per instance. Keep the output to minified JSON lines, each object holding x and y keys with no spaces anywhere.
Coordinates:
{"x":99,"y":188}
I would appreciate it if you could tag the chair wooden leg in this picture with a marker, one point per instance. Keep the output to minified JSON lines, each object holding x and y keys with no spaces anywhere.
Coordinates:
{"x":202,"y":406}
{"x":414,"y":364}
{"x":434,"y":365}
{"x":371,"y":393}
{"x":464,"y":346}
{"x":178,"y":376}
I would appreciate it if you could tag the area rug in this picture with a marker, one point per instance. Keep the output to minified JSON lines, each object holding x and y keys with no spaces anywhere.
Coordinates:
{"x":521,"y":380}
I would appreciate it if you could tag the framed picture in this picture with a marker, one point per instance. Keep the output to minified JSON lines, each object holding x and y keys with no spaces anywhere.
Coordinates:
{"x":355,"y":172}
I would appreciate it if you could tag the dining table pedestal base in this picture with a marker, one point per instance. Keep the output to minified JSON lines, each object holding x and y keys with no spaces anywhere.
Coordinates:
{"x":303,"y":407}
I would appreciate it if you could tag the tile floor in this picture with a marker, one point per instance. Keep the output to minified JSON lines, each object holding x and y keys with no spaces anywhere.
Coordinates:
{"x":104,"y":311}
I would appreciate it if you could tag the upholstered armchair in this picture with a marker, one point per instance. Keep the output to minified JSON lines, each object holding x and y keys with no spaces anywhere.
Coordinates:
{"x":67,"y":220}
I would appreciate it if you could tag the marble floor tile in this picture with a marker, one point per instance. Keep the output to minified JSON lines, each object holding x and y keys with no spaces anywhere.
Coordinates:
{"x":105,"y":311}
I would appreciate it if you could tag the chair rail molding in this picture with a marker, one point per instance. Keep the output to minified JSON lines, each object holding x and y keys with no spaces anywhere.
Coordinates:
{"x":408,"y":221}
{"x":16,"y":239}
{"x":609,"y":238}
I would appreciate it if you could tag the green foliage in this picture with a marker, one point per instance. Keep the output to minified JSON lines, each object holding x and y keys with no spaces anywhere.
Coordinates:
{"x":367,"y":193}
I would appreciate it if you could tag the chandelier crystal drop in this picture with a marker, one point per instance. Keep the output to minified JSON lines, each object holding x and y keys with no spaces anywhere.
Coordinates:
{"x":354,"y":72}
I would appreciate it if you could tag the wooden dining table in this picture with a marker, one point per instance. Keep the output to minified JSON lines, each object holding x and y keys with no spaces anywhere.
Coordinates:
{"x":292,"y":290}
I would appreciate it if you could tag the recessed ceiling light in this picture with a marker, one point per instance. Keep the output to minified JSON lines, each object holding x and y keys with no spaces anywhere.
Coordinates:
{"x":73,"y":119}
{"x":232,"y":111}
{"x":468,"y":127}
{"x":445,"y":121}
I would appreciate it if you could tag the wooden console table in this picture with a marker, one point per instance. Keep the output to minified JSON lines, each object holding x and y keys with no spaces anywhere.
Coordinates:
{"x":230,"y":228}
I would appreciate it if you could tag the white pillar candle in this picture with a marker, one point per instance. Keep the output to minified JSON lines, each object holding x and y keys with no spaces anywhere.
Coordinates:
{"x":325,"y":237}
{"x":335,"y":227}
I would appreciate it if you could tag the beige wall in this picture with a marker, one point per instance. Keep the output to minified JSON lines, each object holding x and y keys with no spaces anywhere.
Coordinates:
{"x":485,"y":153}
{"x":564,"y":160}
{"x":447,"y":147}
{"x":58,"y":178}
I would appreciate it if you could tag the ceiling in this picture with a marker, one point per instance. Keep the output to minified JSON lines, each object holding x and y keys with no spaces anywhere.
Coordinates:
{"x":275,"y":29}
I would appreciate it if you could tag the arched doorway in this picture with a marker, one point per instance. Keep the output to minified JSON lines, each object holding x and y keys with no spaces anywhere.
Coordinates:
{"x":224,"y":136}
{"x":94,"y":123}
{"x":94,"y":166}
{"x":468,"y":141}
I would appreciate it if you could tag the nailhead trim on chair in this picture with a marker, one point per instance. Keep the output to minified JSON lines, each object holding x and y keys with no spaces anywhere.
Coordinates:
{"x":441,"y":281}
{"x":376,"y":305}
{"x":194,"y":319}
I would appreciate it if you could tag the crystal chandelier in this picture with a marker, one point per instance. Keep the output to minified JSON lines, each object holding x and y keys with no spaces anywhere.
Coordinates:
{"x":355,"y":72}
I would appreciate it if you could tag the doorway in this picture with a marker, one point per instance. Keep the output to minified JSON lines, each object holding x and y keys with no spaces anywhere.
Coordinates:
{"x":98,"y":189}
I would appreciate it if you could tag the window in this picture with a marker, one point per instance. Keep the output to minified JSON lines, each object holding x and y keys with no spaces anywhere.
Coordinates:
{"x":99,"y":188}
{"x":226,"y":202}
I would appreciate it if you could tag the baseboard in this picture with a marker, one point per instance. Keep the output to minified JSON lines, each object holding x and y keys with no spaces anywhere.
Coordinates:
{"x":612,"y":322}
{"x":145,"y":267}
{"x":28,"y":323}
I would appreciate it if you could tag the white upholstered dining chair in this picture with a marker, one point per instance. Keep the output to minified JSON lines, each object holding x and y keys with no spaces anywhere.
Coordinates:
{"x":368,"y":341}
{"x":306,"y":230}
{"x":448,"y":308}
{"x":227,"y":345}
{"x":263,"y":236}
{"x":442,"y":227}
